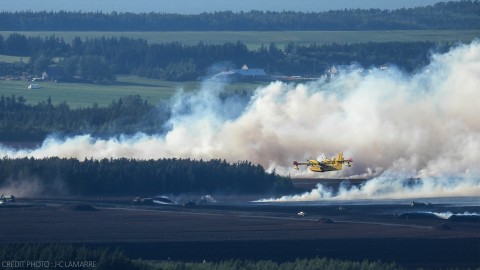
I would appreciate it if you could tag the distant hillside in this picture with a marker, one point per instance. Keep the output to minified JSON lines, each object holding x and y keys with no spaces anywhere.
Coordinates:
{"x":99,"y":60}
{"x":462,"y":15}
{"x":200,"y":6}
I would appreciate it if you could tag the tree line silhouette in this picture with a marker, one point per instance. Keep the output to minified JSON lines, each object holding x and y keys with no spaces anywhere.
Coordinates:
{"x":50,"y":256}
{"x":100,"y":59}
{"x":150,"y":177}
{"x":14,"y":256}
{"x":454,"y":15}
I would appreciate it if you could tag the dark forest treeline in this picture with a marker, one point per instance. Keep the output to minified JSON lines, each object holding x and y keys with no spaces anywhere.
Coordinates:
{"x":457,"y":15}
{"x":16,"y":256}
{"x":20,"y":121}
{"x":130,"y":176}
{"x":23,"y":122}
{"x":100,"y":59}
{"x":51,"y":256}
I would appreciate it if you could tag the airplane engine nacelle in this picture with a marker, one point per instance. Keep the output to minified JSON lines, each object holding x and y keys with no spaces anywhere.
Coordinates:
{"x":295,"y":165}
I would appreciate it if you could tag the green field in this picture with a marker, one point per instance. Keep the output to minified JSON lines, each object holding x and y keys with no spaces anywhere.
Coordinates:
{"x":85,"y":94}
{"x":13,"y":59}
{"x":255,"y":39}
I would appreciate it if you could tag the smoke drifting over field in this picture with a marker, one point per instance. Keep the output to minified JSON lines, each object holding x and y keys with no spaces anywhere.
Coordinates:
{"x":392,"y":186}
{"x":422,"y":125}
{"x":31,"y":186}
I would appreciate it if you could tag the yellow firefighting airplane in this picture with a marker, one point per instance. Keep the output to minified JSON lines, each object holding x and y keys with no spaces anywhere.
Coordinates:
{"x":334,"y":164}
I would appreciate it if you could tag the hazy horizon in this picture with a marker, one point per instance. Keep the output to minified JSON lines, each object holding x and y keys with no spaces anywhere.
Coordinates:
{"x":199,"y":6}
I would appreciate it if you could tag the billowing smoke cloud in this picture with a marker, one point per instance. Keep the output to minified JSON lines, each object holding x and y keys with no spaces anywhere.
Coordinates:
{"x":422,"y":125}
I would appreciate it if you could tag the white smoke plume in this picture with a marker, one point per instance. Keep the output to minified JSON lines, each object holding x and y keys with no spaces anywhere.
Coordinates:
{"x":447,"y":215}
{"x":392,"y":186}
{"x":423,"y":125}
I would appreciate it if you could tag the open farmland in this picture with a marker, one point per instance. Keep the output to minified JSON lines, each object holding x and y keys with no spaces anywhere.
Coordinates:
{"x":13,"y":59}
{"x":85,"y":94}
{"x":254,"y":39}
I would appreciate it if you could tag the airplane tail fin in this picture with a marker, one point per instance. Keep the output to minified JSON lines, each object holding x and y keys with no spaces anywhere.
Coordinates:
{"x":341,"y":160}
{"x":338,"y":161}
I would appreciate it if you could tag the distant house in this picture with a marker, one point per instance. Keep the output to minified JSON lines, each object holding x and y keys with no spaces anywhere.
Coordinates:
{"x":55,"y":73}
{"x":335,"y":71}
{"x":34,"y":86}
{"x":244,"y":74}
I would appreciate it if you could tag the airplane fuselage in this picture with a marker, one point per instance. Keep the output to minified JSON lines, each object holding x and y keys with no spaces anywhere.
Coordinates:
{"x":334,"y":164}
{"x":326,"y":165}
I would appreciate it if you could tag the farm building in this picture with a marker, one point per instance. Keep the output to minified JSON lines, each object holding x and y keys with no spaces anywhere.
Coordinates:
{"x":244,"y":74}
{"x":34,"y":86}
{"x":55,"y":73}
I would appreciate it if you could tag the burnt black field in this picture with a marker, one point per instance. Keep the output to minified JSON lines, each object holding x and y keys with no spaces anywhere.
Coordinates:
{"x":386,"y":231}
